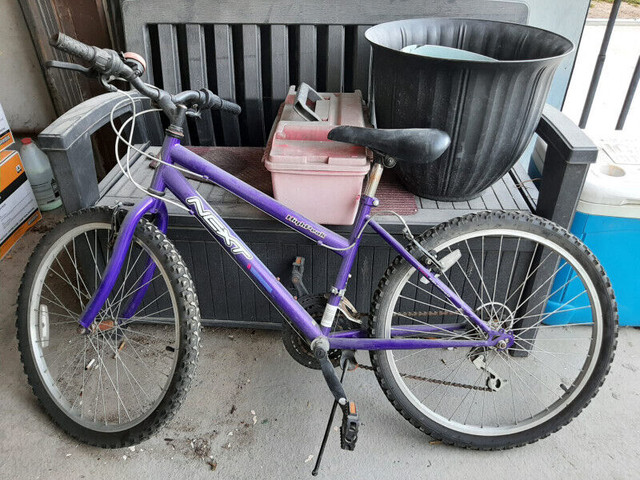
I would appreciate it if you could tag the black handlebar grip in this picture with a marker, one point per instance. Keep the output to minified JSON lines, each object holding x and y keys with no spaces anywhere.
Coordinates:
{"x":104,"y":61}
{"x":208,"y":99}
{"x":230,"y":107}
{"x":72,"y":47}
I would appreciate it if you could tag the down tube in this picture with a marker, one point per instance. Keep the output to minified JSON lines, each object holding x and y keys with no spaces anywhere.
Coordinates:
{"x":240,"y":252}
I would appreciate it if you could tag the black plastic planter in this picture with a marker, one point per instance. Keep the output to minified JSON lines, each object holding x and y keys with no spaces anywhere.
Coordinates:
{"x":490,"y":109}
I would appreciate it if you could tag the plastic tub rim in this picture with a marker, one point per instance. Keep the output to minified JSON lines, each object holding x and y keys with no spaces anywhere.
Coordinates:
{"x":471,"y":62}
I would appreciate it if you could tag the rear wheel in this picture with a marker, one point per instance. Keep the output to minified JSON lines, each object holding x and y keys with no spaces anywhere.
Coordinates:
{"x":519,"y":273}
{"x":116,"y":383}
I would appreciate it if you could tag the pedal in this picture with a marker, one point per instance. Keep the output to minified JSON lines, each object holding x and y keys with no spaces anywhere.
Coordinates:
{"x":350,"y":422}
{"x":349,"y":428}
{"x":297,"y":273}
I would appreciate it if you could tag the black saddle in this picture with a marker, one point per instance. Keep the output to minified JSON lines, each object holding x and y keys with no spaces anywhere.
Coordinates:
{"x":412,"y":145}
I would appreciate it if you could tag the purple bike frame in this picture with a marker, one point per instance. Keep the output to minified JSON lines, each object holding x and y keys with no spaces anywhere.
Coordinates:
{"x":169,"y":178}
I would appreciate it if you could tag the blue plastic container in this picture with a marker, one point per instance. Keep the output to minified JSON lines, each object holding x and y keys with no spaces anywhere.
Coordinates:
{"x":608,"y":222}
{"x":616,"y":243}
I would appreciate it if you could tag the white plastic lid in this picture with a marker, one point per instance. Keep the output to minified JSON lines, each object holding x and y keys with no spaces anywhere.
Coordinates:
{"x":612,"y":186}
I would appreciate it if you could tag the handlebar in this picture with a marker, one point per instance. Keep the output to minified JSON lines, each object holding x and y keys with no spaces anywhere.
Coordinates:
{"x":109,"y":63}
{"x":104,"y":61}
{"x":206,"y":99}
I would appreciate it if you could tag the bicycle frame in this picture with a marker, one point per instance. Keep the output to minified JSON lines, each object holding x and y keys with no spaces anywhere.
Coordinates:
{"x":169,"y":178}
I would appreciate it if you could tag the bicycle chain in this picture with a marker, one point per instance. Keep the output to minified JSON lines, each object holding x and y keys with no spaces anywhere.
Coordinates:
{"x":425,"y":314}
{"x":434,"y":380}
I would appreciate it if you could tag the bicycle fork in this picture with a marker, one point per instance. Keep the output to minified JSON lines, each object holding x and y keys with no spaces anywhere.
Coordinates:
{"x":114,"y":266}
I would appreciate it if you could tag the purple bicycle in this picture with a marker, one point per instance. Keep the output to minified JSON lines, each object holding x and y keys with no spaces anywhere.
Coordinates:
{"x":489,"y":331}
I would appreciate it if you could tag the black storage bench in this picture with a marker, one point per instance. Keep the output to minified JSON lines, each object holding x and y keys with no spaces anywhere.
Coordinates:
{"x":251,"y":54}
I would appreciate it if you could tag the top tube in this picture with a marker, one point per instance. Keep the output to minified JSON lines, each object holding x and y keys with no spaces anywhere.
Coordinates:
{"x":292,"y":219}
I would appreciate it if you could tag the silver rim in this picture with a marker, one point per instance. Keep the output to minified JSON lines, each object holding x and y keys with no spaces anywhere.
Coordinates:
{"x":113,"y":377}
{"x":461,"y":395}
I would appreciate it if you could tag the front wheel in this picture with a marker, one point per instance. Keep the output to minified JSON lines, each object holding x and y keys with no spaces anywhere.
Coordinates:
{"x":519,"y":273}
{"x":116,"y":383}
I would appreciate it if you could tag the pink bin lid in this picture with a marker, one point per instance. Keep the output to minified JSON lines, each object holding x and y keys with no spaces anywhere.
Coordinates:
{"x":301,"y":145}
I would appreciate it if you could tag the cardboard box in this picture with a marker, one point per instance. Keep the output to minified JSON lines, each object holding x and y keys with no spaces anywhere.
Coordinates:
{"x":6,"y":137}
{"x":18,"y":208}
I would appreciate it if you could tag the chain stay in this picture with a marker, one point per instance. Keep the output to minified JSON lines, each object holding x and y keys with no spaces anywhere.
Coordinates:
{"x":432,"y":380}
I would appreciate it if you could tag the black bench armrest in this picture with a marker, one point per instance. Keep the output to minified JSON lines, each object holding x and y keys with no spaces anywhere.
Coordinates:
{"x":67,"y":142}
{"x":566,"y":162}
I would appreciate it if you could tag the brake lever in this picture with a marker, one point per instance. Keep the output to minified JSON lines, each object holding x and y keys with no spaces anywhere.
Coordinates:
{"x":193,"y":112}
{"x":105,"y":83}
{"x":74,"y":67}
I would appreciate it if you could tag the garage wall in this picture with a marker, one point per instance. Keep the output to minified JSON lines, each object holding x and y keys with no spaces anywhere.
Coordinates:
{"x":23,"y":91}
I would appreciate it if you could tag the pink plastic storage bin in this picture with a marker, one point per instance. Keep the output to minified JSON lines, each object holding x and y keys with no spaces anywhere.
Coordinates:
{"x":318,"y":178}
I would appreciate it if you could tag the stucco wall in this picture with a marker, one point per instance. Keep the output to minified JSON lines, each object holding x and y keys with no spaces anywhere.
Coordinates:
{"x":23,"y":91}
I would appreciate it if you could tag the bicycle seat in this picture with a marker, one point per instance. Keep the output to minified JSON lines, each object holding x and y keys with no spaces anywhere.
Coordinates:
{"x":411,"y":145}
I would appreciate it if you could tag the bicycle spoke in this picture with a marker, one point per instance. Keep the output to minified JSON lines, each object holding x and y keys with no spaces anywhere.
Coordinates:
{"x":508,"y":269}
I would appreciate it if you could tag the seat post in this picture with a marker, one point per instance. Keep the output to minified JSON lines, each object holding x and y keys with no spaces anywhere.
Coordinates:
{"x":374,"y":176}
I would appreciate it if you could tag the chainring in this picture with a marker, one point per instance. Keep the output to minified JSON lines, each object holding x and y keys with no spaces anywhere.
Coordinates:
{"x":298,"y":346}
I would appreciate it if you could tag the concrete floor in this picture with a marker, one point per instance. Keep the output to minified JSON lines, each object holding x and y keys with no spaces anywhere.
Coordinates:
{"x":251,"y":371}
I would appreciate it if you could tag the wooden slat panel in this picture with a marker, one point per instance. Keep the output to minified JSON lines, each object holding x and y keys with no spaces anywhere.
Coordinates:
{"x":305,"y":251}
{"x":490,"y":200}
{"x":307,"y":59}
{"x":428,"y":204}
{"x":43,"y":19}
{"x":287,"y":254}
{"x":333,"y":265}
{"x":461,"y":205}
{"x":170,"y":64}
{"x":364,"y":268}
{"x":246,"y":297}
{"x":230,"y":274}
{"x":272,"y":258}
{"x":253,"y":112}
{"x":279,"y":61}
{"x":445,"y":205}
{"x":196,"y":52}
{"x":525,"y":184}
{"x":217,"y":281}
{"x":261,"y":303}
{"x":477,"y":204}
{"x":515,"y":192}
{"x":226,"y":87}
{"x":328,"y":12}
{"x":503,"y":194}
{"x":335,"y":59}
{"x":380,"y":264}
{"x":320,"y":278}
{"x":361,"y":62}
{"x":201,"y":271}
